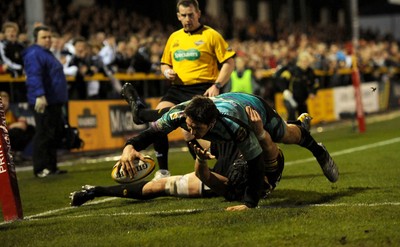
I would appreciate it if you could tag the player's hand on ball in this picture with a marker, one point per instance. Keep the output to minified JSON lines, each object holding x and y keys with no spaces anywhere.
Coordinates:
{"x":237,"y":208}
{"x":126,"y":162}
{"x":142,"y":170}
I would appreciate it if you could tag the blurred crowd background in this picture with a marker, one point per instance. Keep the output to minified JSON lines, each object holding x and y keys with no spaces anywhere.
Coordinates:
{"x":108,"y":38}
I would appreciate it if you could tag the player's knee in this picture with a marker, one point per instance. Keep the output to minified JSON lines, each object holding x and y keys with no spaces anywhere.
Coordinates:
{"x":292,"y":134}
{"x":177,"y":186}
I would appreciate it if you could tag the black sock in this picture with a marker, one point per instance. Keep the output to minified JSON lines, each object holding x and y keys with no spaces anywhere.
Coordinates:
{"x":296,"y":122}
{"x":123,"y":190}
{"x":308,"y":142}
{"x":151,"y":115}
{"x":161,"y":146}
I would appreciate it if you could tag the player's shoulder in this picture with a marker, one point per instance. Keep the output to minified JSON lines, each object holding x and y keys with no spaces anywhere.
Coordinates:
{"x":176,"y":113}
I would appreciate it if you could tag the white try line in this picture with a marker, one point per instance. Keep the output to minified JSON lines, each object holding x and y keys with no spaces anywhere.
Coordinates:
{"x":350,"y":150}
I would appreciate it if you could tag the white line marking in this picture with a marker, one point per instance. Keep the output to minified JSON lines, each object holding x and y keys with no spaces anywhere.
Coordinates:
{"x":350,"y":150}
{"x":50,"y":212}
{"x":67,"y":208}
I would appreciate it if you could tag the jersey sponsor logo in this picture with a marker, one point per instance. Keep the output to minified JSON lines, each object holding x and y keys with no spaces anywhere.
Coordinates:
{"x":191,"y":55}
{"x":176,"y":115}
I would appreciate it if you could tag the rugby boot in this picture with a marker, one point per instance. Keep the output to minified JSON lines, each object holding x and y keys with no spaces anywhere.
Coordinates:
{"x":305,"y":121}
{"x":328,"y":166}
{"x":129,"y":93}
{"x":80,"y":197}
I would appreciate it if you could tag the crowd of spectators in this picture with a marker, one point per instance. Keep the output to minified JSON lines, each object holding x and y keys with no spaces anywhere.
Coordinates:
{"x":98,"y":39}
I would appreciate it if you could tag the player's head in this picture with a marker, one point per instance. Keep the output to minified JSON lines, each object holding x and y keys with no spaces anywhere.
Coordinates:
{"x":201,"y":115}
{"x":188,"y":14}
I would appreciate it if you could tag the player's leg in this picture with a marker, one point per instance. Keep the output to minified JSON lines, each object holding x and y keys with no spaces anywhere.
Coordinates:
{"x":89,"y":192}
{"x":187,"y":185}
{"x":296,"y":134}
{"x":140,"y":113}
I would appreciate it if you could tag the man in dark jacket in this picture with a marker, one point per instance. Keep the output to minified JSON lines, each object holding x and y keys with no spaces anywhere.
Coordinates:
{"x":298,"y":83}
{"x":47,"y":93}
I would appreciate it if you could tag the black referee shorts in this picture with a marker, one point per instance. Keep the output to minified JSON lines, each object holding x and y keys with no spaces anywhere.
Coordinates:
{"x":181,"y":93}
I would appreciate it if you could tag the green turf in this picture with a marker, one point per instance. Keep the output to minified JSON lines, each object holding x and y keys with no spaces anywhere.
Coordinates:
{"x":361,"y":209}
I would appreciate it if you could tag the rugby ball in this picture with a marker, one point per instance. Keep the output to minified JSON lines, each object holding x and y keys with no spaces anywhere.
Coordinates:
{"x":143,"y":170}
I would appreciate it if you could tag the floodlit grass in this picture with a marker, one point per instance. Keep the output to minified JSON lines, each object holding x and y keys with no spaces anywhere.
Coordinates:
{"x":361,"y":209}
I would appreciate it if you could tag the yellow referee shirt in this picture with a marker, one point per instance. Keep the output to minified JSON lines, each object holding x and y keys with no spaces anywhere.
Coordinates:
{"x":195,"y":56}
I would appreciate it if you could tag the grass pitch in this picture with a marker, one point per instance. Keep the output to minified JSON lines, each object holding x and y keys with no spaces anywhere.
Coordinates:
{"x":361,"y":209}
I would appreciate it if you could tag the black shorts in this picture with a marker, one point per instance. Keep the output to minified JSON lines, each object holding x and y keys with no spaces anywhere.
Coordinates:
{"x":180,"y":93}
{"x":275,"y":125}
{"x":227,"y":154}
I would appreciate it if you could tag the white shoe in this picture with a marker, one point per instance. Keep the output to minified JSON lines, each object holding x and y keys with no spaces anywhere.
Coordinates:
{"x":44,"y":173}
{"x":162,"y":173}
